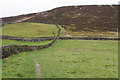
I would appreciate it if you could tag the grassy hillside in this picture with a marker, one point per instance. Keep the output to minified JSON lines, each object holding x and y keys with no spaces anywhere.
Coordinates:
{"x":88,"y":20}
{"x":76,"y":18}
{"x":29,"y":30}
{"x":82,"y":18}
{"x":66,"y":59}
{"x":13,"y":42}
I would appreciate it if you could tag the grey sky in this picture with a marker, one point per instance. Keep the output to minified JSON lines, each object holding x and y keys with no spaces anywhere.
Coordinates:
{"x":17,"y":7}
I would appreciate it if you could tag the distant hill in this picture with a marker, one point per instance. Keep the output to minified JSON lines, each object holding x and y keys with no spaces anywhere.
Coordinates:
{"x":75,"y":18}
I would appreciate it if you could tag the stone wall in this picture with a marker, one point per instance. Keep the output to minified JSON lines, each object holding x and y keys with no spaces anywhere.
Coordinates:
{"x":15,"y":49}
{"x":33,"y":39}
{"x":36,"y":39}
{"x":87,"y":38}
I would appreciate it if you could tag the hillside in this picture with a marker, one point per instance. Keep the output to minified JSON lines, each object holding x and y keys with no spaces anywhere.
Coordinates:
{"x":75,"y":18}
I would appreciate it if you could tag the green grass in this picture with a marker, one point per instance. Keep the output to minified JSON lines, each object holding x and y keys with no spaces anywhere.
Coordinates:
{"x":29,"y":30}
{"x":66,"y":59}
{"x":0,"y":69}
{"x":13,"y":42}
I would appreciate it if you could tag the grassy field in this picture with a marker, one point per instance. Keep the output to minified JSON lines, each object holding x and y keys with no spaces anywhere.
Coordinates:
{"x":97,"y":34}
{"x":13,"y":42}
{"x":29,"y":30}
{"x":66,"y":59}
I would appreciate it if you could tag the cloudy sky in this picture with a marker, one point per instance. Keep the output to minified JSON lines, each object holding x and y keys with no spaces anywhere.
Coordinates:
{"x":18,"y":7}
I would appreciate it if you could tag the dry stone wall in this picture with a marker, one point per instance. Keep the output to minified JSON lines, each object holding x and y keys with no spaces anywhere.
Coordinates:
{"x":33,"y":39}
{"x":37,"y":39}
{"x":15,"y":49}
{"x":87,"y":38}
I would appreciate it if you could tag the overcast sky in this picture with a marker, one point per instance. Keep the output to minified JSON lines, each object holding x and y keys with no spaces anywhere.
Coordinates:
{"x":18,"y":7}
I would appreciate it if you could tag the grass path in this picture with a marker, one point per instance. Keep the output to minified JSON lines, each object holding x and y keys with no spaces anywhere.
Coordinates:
{"x":37,"y":70}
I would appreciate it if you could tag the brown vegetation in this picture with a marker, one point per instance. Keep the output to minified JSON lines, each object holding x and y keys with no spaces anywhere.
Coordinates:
{"x":78,"y":18}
